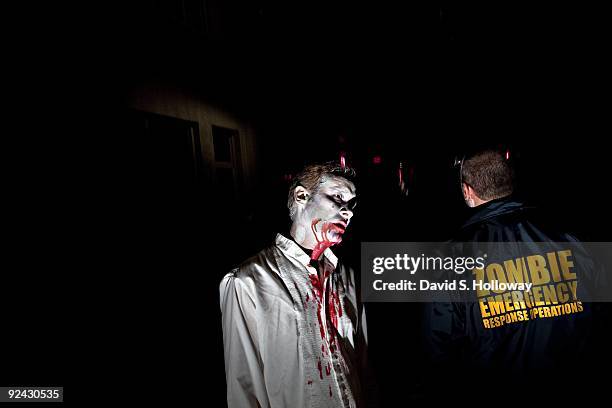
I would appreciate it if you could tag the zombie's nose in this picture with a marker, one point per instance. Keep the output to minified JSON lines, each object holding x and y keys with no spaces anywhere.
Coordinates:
{"x":346,"y":214}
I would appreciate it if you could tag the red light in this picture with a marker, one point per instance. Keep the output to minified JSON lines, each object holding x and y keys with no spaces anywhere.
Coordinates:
{"x":507,"y":154}
{"x":342,"y":160}
{"x":377,"y":160}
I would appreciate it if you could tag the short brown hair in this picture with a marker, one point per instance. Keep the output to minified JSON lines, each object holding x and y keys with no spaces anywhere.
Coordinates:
{"x":313,"y":175}
{"x":489,"y":174}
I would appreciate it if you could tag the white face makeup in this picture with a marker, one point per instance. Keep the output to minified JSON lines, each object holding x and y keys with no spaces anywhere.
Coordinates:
{"x":327,"y":213}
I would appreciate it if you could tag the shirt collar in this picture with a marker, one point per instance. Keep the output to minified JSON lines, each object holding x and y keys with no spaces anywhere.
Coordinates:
{"x":292,"y":249}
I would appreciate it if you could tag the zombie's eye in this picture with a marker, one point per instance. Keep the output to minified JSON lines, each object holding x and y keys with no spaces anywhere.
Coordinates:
{"x":336,"y":198}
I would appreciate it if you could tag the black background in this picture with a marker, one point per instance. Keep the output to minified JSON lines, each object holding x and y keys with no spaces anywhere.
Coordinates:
{"x":109,"y":285}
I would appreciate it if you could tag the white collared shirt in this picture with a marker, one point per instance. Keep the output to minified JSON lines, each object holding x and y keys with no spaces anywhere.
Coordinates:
{"x":289,"y":340}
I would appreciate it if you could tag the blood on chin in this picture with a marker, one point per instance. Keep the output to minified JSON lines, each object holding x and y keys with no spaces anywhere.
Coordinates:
{"x":331,"y":234}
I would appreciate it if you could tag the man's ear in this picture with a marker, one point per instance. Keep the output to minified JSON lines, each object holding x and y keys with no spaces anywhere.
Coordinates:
{"x":301,"y":195}
{"x":467,"y":190}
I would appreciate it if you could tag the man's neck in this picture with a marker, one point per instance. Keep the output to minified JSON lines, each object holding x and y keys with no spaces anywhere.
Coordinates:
{"x":299,"y":234}
{"x":478,"y":202}
{"x":308,"y":251}
{"x":314,"y":249}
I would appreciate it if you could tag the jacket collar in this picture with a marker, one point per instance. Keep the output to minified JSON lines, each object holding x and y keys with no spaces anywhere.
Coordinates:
{"x":495,"y":208}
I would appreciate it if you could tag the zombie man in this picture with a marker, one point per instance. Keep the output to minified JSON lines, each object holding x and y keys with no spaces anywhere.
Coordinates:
{"x":294,"y":330}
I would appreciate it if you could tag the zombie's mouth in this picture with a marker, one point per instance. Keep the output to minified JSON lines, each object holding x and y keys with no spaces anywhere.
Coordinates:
{"x":338,"y":227}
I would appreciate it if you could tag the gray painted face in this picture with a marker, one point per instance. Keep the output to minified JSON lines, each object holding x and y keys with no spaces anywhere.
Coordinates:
{"x":330,"y":209}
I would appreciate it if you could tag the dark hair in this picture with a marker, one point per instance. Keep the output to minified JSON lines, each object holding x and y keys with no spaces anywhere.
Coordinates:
{"x":313,"y":175}
{"x":489,"y":174}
